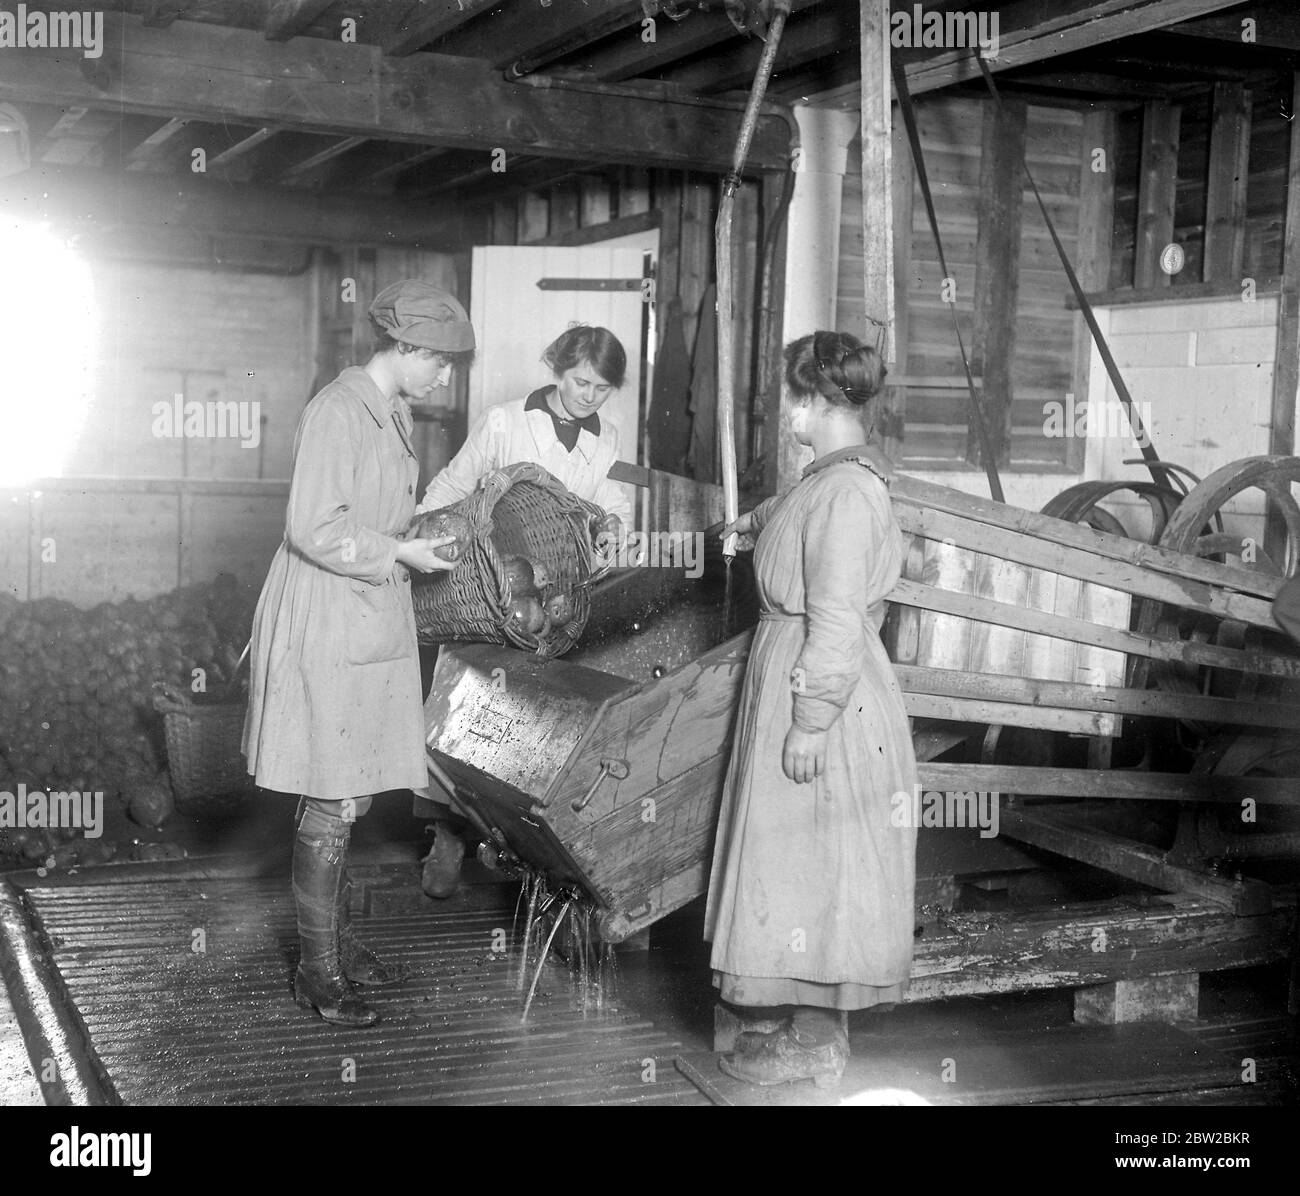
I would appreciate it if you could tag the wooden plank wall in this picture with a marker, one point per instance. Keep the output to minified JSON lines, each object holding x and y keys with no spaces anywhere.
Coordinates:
{"x":1268,"y":153}
{"x":951,"y":133}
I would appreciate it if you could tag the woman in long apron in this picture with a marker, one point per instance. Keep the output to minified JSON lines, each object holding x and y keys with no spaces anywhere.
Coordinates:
{"x":334,"y":711}
{"x":810,"y":906}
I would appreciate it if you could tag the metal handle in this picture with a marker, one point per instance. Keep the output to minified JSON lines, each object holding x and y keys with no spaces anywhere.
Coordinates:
{"x":618,"y":769}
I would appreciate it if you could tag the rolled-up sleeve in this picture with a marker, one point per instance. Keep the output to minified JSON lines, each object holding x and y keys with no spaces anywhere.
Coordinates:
{"x":320,"y":522}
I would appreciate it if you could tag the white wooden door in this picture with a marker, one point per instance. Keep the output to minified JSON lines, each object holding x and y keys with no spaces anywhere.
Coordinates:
{"x":515,"y":319}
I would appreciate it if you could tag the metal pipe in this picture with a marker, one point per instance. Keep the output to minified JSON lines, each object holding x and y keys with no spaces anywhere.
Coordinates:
{"x":726,"y":413}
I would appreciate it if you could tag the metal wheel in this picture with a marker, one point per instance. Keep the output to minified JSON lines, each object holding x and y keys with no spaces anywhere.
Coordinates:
{"x":1196,"y":528}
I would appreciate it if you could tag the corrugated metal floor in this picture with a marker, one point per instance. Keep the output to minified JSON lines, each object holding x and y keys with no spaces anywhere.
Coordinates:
{"x":184,"y":989}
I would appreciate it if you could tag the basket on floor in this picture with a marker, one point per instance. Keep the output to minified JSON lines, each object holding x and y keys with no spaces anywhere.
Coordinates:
{"x":203,"y":741}
{"x":521,"y":510}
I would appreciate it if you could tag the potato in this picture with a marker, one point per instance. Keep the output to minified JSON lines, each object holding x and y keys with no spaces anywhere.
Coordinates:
{"x":560,"y":608}
{"x":152,"y":804}
{"x":434,"y":524}
{"x":520,"y":579}
{"x":526,"y":615}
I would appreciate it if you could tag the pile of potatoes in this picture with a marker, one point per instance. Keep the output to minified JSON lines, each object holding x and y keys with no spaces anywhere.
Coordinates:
{"x":76,"y":703}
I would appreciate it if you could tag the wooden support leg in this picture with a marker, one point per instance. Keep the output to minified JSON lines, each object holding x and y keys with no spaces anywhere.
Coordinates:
{"x":1150,"y":999}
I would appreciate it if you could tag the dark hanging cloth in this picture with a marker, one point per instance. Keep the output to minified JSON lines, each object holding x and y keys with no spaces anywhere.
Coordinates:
{"x":566,"y":430}
{"x":668,"y":425}
{"x":702,"y":459}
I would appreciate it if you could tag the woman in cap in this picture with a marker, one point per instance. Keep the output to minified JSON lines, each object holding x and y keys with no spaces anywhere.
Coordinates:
{"x":557,"y":427}
{"x":810,"y":899}
{"x":335,"y":712}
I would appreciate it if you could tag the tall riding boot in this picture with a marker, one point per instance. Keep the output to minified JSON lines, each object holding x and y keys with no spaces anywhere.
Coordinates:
{"x":319,"y":869}
{"x":360,"y":964}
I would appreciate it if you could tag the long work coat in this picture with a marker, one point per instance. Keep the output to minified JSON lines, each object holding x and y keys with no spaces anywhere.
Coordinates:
{"x":811,"y":894}
{"x":507,"y":434}
{"x":334,"y":692}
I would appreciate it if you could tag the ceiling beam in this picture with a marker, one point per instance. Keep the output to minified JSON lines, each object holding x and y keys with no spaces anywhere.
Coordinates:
{"x":154,"y":146}
{"x":674,"y":41}
{"x":289,"y":18}
{"x":305,"y":166}
{"x":1278,"y":29}
{"x":217,"y":73}
{"x":158,"y":14}
{"x":517,"y":29}
{"x":242,"y":146}
{"x":558,"y":39}
{"x":94,"y":203}
{"x":816,"y":36}
{"x":437,"y":19}
{"x":1033,"y":30}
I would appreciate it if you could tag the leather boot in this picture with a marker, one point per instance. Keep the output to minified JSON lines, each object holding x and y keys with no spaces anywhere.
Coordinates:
{"x":320,"y":852}
{"x":360,"y":964}
{"x":440,"y":874}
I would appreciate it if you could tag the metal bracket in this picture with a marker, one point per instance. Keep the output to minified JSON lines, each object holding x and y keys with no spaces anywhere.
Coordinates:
{"x":589,"y":284}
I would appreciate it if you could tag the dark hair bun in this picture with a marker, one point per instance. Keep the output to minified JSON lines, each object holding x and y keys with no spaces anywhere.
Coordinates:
{"x":835,"y":365}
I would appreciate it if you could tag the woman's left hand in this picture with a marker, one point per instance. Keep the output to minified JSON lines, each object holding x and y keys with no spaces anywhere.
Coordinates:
{"x":804,"y":755}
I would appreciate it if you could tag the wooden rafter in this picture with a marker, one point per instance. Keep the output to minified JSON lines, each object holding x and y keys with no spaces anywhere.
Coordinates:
{"x":158,"y":14}
{"x":148,"y":150}
{"x":534,"y":31}
{"x":305,"y":166}
{"x":437,"y":19}
{"x":242,"y":146}
{"x":222,"y":74}
{"x":1032,"y":30}
{"x":804,"y":41}
{"x":1277,"y":28}
{"x":289,"y":18}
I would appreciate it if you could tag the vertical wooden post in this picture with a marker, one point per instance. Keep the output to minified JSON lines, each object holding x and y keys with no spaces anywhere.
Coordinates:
{"x":771,"y":318}
{"x":891,"y":426}
{"x":1096,"y":232}
{"x":1157,"y":192}
{"x":997,"y":270}
{"x":534,"y":217}
{"x":1225,"y":194}
{"x":593,"y":203}
{"x":504,"y":220}
{"x":1286,"y":365}
{"x":878,"y":199}
{"x":564,"y":208}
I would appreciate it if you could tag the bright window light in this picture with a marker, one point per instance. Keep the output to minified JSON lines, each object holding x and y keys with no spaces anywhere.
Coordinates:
{"x":48,"y":323}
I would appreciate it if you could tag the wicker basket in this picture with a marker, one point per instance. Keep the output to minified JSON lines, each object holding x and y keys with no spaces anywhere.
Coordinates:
{"x":207,"y":768}
{"x":519,"y":510}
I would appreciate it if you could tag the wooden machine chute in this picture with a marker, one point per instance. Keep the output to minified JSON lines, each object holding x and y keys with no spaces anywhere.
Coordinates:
{"x":623,"y":804}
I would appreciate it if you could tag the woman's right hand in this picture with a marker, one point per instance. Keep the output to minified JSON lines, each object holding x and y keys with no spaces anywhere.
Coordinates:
{"x":742,"y":526}
{"x":422,"y":556}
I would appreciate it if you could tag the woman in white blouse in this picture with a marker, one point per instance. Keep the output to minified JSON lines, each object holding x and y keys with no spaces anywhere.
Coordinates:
{"x":558,"y":427}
